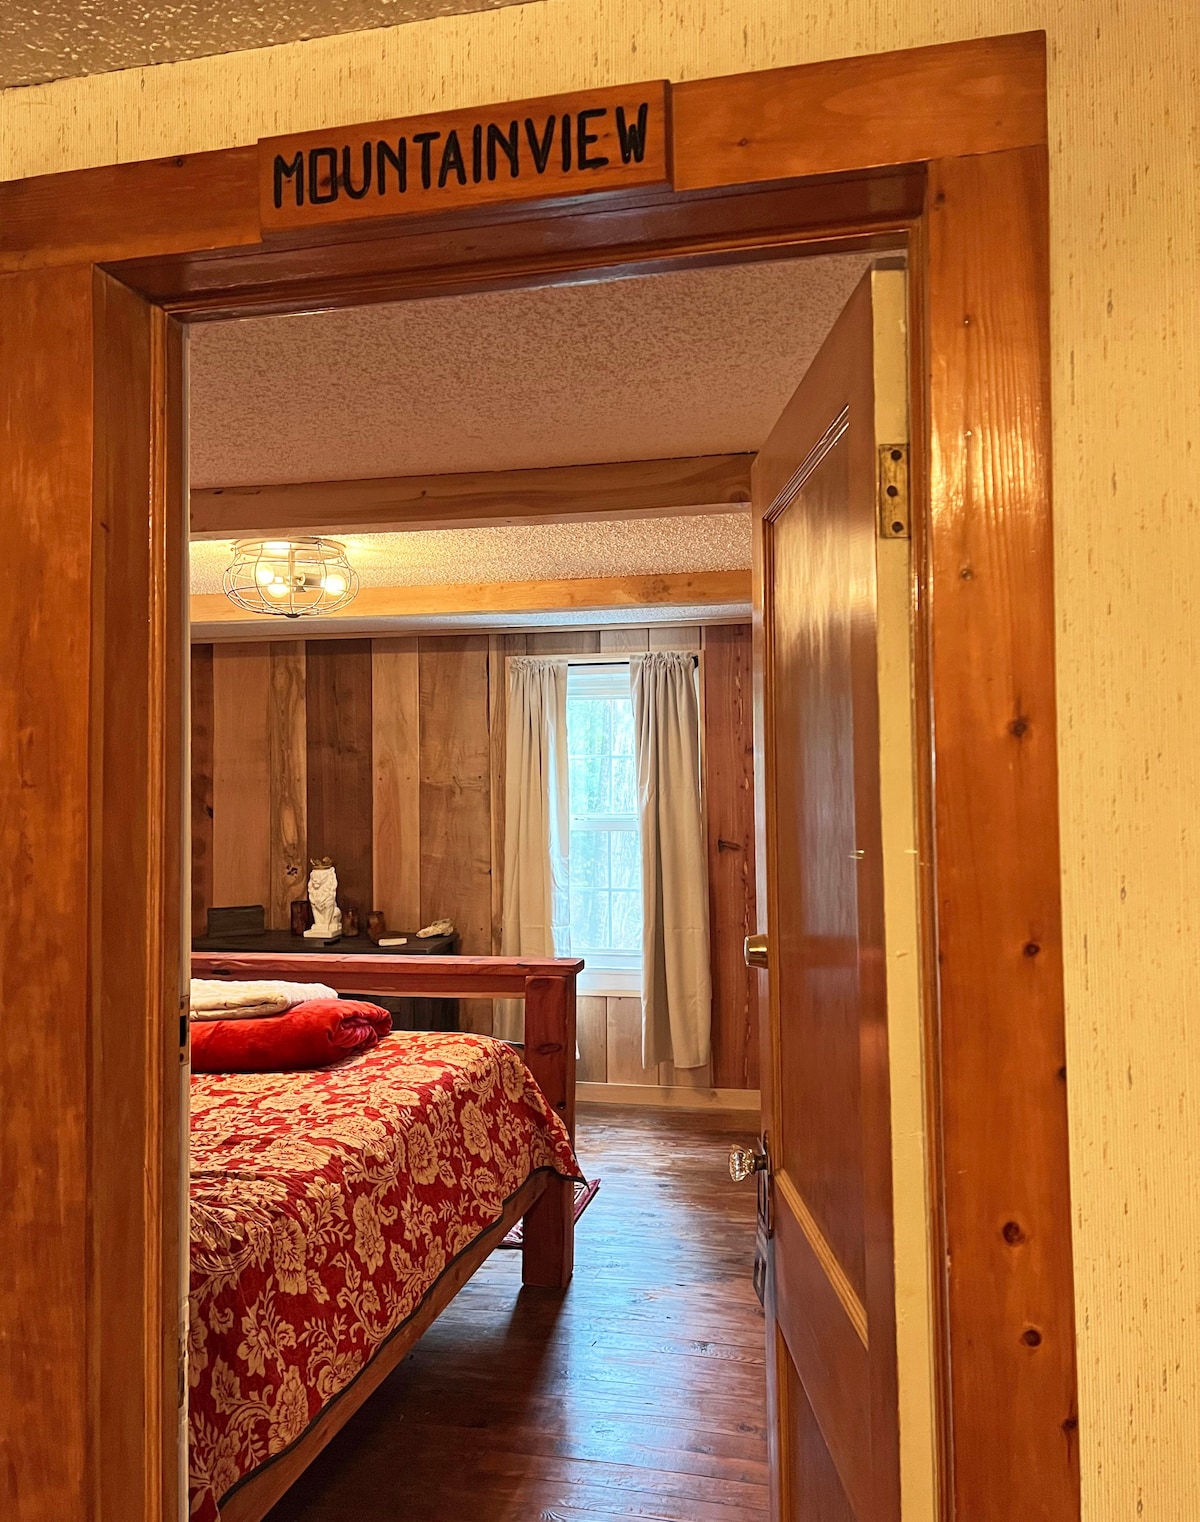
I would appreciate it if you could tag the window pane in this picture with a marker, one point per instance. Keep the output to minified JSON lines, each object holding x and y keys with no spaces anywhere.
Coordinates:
{"x":588,"y":723}
{"x":622,"y":722}
{"x":589,"y":859}
{"x":589,"y":921}
{"x":626,"y":921}
{"x":589,"y":784}
{"x":624,"y":785}
{"x":606,"y":914}
{"x":626,"y":858}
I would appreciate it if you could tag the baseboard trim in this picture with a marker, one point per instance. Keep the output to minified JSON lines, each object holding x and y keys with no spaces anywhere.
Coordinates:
{"x":667,"y":1096}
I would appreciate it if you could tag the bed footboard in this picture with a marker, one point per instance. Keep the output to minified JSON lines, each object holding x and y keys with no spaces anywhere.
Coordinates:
{"x":548,"y":987}
{"x":549,"y":1229}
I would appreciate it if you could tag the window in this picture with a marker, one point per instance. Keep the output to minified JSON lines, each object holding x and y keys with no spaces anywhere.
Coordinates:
{"x":606,"y":852}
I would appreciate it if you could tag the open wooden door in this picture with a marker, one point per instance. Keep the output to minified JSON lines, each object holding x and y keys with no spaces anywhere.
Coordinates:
{"x":826,"y":1238}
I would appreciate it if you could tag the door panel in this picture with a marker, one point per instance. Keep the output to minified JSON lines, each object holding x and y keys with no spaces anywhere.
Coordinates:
{"x":819,"y":1146}
{"x":815,"y":1489}
{"x":824,"y":1344}
{"x":827,"y":1101}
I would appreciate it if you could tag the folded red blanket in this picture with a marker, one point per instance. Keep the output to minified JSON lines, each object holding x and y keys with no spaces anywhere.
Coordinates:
{"x":310,"y":1035}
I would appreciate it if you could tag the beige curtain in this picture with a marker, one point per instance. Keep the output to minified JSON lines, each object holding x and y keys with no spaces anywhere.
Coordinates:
{"x":676,"y":981}
{"x":537,"y":907}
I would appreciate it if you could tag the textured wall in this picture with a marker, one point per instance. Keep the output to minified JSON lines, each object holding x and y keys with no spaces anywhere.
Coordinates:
{"x":1126,"y":289}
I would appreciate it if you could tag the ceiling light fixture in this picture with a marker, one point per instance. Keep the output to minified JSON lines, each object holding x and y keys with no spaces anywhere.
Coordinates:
{"x":290,"y":578}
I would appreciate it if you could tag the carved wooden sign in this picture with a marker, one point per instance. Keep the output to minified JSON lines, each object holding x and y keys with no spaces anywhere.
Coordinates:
{"x":561,"y":146}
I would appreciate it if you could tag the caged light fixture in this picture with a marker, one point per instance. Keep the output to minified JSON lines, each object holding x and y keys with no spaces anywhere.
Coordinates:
{"x":290,"y":578}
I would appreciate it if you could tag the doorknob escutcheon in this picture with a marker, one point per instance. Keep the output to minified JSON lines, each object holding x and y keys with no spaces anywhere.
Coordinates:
{"x":755,"y":951}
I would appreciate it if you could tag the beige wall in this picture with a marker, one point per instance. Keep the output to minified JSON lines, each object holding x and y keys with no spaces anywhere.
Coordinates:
{"x":1126,"y":284}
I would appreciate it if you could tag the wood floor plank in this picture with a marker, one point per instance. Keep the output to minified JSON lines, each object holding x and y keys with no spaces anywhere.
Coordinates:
{"x":672,"y":1449}
{"x":637,"y":1393}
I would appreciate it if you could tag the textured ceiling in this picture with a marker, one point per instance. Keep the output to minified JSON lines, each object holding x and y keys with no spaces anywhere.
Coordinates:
{"x":58,"y":39}
{"x":699,"y":362}
{"x":548,"y":552}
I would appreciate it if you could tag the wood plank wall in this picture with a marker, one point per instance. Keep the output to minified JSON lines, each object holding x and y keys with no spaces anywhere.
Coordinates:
{"x":729,"y":789}
{"x":340,"y":764}
{"x":202,"y":784}
{"x":388,"y":755}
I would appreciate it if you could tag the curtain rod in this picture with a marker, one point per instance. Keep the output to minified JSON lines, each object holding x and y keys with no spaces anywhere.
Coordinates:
{"x":596,"y":657}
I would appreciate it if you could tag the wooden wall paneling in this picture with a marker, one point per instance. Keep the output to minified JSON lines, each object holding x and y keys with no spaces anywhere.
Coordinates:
{"x":685,"y":1078}
{"x":623,"y":640}
{"x":727,"y":677}
{"x":396,"y":815}
{"x":201,"y":731}
{"x":625,"y":1043}
{"x":681,"y":637}
{"x":340,"y":771}
{"x":287,"y":744}
{"x":565,"y":642}
{"x":1005,"y":1184}
{"x":624,"y":489}
{"x":241,"y":775}
{"x":455,"y":766}
{"x":591,"y":1014}
{"x":135,"y":1262}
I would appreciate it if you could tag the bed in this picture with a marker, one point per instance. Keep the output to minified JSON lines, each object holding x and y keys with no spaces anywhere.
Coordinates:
{"x":335,"y":1213}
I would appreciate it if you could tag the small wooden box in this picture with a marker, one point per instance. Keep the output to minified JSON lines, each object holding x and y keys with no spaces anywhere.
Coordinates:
{"x":240,"y":919}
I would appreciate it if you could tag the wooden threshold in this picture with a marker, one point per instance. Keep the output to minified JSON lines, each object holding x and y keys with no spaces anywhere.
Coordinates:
{"x":254,"y":1498}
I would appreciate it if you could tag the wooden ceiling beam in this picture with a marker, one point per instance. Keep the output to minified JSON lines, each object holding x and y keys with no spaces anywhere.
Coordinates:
{"x":556,"y":494}
{"x":217,"y":617}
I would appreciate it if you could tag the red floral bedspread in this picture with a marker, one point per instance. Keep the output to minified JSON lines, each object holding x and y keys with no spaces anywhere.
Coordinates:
{"x":324,"y":1205}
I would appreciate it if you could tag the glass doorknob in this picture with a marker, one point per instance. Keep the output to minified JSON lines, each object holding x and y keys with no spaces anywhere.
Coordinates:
{"x":744,"y":1161}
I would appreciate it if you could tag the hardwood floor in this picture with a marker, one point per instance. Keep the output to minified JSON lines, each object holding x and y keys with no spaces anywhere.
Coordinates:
{"x":638,"y":1393}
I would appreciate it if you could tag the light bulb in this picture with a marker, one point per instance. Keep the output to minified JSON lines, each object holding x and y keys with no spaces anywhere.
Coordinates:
{"x":264,"y":575}
{"x":335,"y":584}
{"x":278,"y":588}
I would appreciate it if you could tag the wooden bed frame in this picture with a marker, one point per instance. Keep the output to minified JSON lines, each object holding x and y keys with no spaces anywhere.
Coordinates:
{"x":545,"y":1201}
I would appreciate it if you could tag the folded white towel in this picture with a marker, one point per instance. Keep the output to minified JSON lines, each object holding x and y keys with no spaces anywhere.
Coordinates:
{"x":219,"y":999}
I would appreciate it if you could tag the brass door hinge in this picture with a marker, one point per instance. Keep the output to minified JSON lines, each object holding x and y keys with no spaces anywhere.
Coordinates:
{"x":893,"y":491}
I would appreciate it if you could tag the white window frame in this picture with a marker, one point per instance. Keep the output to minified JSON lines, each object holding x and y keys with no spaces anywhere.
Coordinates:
{"x":606,"y":972}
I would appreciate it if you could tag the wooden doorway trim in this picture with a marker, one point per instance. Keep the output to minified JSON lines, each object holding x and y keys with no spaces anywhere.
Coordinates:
{"x":941,"y":151}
